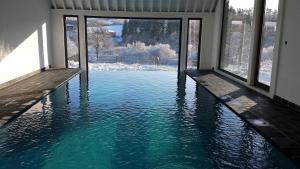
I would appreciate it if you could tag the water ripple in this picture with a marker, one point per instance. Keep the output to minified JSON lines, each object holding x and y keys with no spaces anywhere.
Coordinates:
{"x":142,"y":120}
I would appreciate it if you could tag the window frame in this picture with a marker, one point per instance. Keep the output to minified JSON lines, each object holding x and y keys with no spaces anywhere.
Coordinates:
{"x":145,"y":18}
{"x":199,"y":44}
{"x":257,"y":83}
{"x":221,"y":48}
{"x":268,"y":91}
{"x":66,"y":43}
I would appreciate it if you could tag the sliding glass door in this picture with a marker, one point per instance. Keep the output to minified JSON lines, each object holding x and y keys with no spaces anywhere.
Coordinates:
{"x":193,"y":47}
{"x":267,"y":45}
{"x":236,"y":38}
{"x":71,"y":41}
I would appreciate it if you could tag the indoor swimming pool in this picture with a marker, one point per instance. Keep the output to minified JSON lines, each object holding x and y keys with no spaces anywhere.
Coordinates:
{"x":133,"y":120}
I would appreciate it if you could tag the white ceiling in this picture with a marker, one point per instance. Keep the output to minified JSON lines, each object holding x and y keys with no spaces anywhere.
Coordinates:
{"x":195,"y":6}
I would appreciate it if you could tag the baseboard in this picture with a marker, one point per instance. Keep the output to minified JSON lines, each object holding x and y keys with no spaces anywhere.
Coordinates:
{"x":286,"y":103}
{"x":11,"y":82}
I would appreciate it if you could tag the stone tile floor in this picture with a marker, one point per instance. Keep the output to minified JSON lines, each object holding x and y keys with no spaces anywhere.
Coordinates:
{"x":19,"y":97}
{"x":278,"y":124}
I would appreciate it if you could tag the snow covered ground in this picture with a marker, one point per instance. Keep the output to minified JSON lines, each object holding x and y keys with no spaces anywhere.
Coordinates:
{"x":123,"y":67}
{"x":73,"y":64}
{"x":129,"y":67}
{"x":265,"y":71}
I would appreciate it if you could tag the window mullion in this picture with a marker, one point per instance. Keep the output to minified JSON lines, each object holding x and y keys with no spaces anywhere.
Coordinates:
{"x":255,"y":40}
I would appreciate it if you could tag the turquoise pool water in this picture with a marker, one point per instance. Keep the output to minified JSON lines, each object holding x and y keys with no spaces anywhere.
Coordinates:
{"x":133,"y":120}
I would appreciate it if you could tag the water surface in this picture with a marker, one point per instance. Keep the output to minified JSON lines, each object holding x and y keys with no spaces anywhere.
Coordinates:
{"x":133,"y":120}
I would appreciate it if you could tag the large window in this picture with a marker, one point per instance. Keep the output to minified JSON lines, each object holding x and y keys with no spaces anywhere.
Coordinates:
{"x":133,"y":44}
{"x":268,"y":35}
{"x":193,"y":48}
{"x":71,"y":41}
{"x":236,"y":40}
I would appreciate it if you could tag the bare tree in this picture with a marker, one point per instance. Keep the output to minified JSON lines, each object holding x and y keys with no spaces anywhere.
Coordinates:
{"x":100,"y":37}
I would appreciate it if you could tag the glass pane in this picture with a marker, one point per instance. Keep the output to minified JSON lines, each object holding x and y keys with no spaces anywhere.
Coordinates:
{"x":193,"y":44}
{"x":133,"y":44}
{"x":268,"y":42}
{"x":71,"y":27}
{"x":238,"y":18}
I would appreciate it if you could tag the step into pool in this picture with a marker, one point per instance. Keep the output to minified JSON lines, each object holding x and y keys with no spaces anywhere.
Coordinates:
{"x":133,"y":120}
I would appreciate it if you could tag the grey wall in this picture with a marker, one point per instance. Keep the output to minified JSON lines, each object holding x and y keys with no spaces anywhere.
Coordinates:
{"x":207,"y":42}
{"x":58,"y":46}
{"x":216,"y":36}
{"x":24,"y":37}
{"x":288,"y":81}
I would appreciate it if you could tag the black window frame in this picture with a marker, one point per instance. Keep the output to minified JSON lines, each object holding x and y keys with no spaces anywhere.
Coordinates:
{"x":145,"y":18}
{"x":65,"y":40}
{"x":221,"y":48}
{"x":199,"y":44}
{"x":258,"y":56}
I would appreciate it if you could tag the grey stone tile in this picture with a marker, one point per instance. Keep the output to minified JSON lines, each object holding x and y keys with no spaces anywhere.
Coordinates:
{"x":277,"y":123}
{"x":22,"y":95}
{"x":284,"y":142}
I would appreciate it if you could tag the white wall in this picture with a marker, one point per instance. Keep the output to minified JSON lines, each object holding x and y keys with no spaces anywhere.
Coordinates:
{"x":207,"y":42}
{"x":217,"y":33}
{"x":58,"y":32}
{"x":288,"y":80}
{"x":24,"y":37}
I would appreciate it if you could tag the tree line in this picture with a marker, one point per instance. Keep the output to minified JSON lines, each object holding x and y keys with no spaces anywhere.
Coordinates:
{"x":151,"y":32}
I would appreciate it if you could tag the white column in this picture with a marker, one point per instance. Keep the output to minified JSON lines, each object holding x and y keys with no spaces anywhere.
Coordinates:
{"x":183,"y":47}
{"x":57,"y":41}
{"x":277,"y":50}
{"x":82,"y":42}
{"x":255,"y":38}
{"x":217,"y":35}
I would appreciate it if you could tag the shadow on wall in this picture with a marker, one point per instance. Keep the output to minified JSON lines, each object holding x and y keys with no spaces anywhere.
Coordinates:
{"x":23,"y":37}
{"x":4,"y":50}
{"x":37,"y":40}
{"x":30,"y":55}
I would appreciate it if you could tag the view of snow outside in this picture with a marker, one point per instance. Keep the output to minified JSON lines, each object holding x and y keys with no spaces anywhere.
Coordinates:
{"x":238,"y":25}
{"x":193,"y":44}
{"x":71,"y":27}
{"x":268,"y":42}
{"x":133,"y":44}
{"x":237,"y":37}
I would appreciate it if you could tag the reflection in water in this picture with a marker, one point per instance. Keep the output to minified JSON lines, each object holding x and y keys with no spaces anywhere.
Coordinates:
{"x":153,"y":120}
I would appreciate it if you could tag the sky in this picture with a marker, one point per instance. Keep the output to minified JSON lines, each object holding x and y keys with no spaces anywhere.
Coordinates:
{"x":245,"y":4}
